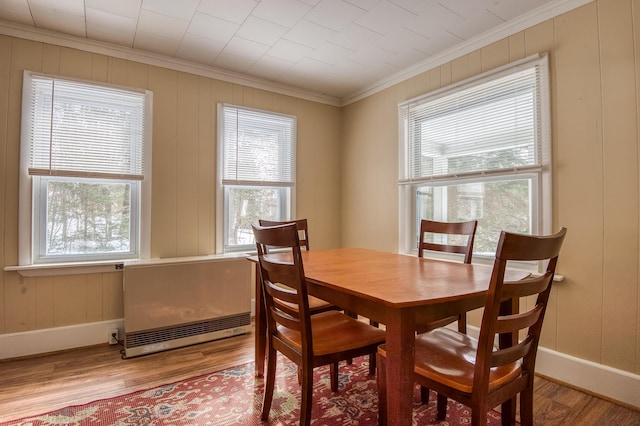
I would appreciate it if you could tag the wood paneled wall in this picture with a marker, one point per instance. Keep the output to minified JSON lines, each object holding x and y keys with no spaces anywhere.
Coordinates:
{"x":595,"y":73}
{"x":183,"y":178}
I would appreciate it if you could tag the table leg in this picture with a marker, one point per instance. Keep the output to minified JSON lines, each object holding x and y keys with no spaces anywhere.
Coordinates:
{"x":400,"y":340}
{"x":260,"y":328}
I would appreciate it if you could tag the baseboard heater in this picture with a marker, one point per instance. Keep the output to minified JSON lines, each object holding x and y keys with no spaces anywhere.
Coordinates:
{"x":170,"y":303}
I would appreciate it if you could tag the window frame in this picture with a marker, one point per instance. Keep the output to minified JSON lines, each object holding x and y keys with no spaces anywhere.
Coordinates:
{"x":540,"y":173}
{"x":31,"y":197}
{"x":286,"y":205}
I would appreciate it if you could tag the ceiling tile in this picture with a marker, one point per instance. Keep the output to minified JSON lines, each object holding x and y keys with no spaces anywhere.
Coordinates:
{"x":385,"y":18}
{"x":403,"y":39}
{"x":355,"y":37}
{"x":283,"y":12}
{"x":433,"y":21}
{"x":364,"y":4}
{"x":309,"y":34}
{"x":270,"y":67}
{"x":334,"y":14}
{"x":112,"y":28}
{"x":53,"y":19}
{"x":155,"y":43}
{"x":478,"y":24}
{"x":61,"y":7}
{"x":331,"y":53}
{"x":370,"y":55}
{"x":199,"y":49}
{"x":466,"y":9}
{"x":512,"y":9}
{"x":233,"y":63}
{"x":211,"y":27}
{"x":250,"y":49}
{"x":235,"y":11}
{"x":260,"y":30}
{"x":16,"y":11}
{"x":161,"y":25}
{"x":126,"y":8}
{"x":289,"y":51}
{"x":183,"y":9}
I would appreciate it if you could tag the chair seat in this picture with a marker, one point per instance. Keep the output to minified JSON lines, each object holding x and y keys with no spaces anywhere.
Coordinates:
{"x":318,"y":305}
{"x":448,"y":356}
{"x":423,"y":328}
{"x":335,"y":332}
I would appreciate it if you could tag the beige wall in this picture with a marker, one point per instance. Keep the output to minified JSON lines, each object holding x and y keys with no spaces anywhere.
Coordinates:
{"x":595,"y":73}
{"x":184,"y":158}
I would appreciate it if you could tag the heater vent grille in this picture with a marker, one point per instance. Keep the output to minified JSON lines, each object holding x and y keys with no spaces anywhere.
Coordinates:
{"x":184,"y":331}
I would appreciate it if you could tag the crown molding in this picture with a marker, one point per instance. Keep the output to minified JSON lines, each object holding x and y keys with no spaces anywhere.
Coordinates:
{"x":103,"y":48}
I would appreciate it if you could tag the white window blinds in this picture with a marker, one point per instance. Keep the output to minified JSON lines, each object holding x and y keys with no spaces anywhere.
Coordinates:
{"x":259,"y":147}
{"x":484,"y":126}
{"x":83,"y":130}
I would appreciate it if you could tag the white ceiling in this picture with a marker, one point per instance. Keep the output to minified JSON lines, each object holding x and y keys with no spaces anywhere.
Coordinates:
{"x":332,"y":48}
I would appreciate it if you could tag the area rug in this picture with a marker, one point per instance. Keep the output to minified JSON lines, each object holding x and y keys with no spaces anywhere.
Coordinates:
{"x":234,"y":397}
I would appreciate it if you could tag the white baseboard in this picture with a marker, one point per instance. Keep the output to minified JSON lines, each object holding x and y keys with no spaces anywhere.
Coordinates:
{"x":598,"y":379}
{"x":611,"y":383}
{"x":33,"y":342}
{"x":614,"y":384}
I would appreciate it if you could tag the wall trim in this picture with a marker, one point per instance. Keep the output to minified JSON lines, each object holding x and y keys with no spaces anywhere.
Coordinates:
{"x":610,"y":383}
{"x":13,"y":345}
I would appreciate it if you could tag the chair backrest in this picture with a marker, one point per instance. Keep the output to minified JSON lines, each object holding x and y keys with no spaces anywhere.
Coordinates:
{"x":498,"y":318}
{"x":467,"y":229}
{"x":283,"y":282}
{"x":301,"y":224}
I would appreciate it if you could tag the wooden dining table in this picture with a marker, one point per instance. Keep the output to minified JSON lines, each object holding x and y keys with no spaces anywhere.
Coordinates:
{"x":396,"y":290}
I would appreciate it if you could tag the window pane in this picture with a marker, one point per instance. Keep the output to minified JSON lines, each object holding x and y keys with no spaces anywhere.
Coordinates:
{"x":87,"y":218}
{"x":497,"y":205}
{"x":247,"y":205}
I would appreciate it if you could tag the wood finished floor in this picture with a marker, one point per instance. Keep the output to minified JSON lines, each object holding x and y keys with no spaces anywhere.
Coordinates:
{"x":34,"y":385}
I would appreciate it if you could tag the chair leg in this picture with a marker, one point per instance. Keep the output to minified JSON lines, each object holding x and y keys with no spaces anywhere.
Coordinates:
{"x":382,"y":390}
{"x":508,"y":412}
{"x":372,"y":364}
{"x":269,"y":385}
{"x":526,"y":407}
{"x":307,"y":395}
{"x":333,"y":372}
{"x":442,"y":407}
{"x":424,"y":395}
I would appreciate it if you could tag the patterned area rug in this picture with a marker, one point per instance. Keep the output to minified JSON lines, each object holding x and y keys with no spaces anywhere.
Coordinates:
{"x":234,"y":397}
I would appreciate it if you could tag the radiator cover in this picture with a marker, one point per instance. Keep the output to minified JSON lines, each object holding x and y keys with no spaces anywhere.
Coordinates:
{"x":170,"y":303}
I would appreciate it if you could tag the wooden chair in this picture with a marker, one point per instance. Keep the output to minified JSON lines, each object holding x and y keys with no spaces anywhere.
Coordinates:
{"x":301,"y":224}
{"x":474,"y":372}
{"x":467,"y":229}
{"x":308,"y":340}
{"x":315,"y":305}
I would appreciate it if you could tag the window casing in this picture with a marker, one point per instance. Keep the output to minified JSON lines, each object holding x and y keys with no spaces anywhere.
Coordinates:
{"x":479,"y":149}
{"x":85,"y":171}
{"x":256,"y":173}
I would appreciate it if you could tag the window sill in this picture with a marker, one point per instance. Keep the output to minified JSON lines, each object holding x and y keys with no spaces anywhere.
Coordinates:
{"x":52,"y":269}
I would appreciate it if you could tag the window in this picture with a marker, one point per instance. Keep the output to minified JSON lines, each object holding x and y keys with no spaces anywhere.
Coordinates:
{"x":85,"y":171}
{"x":256,"y":156}
{"x":480,"y":150}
